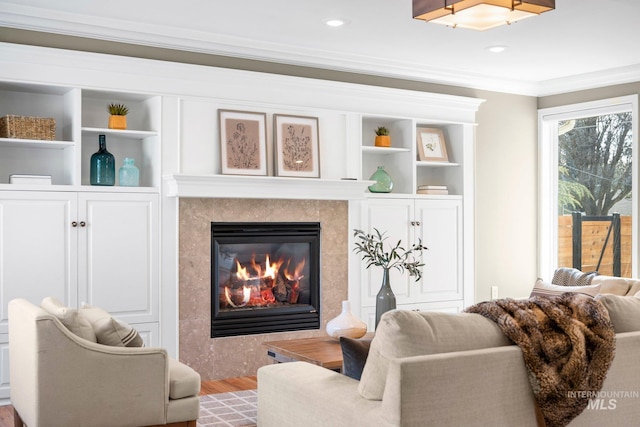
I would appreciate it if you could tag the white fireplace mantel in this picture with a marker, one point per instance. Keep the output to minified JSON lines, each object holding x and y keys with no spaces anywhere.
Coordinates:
{"x":263,"y":187}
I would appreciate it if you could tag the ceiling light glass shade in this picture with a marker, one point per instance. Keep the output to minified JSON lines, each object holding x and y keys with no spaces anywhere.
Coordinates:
{"x":478,"y":14}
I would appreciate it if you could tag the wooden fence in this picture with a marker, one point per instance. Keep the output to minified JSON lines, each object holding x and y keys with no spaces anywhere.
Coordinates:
{"x":594,"y":234}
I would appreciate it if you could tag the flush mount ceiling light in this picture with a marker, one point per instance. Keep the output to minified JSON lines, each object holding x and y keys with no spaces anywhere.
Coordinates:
{"x":335,"y":22}
{"x":478,"y":14}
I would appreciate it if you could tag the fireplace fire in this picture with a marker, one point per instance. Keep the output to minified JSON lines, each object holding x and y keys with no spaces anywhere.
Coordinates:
{"x":265,"y":277}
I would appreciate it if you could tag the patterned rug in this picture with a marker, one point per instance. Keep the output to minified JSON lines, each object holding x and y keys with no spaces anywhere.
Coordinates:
{"x":238,"y":408}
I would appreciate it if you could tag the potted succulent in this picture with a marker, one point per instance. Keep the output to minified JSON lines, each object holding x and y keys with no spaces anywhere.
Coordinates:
{"x":118,"y":117}
{"x":382,"y":137}
{"x":375,"y":252}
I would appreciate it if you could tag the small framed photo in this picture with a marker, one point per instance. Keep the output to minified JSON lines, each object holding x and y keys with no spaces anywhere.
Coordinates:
{"x":431,"y":145}
{"x":297,"y":146}
{"x":243,"y":142}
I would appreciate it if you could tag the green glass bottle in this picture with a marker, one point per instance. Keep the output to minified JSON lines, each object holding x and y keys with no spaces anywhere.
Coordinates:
{"x":103,"y":165}
{"x":384,"y":183}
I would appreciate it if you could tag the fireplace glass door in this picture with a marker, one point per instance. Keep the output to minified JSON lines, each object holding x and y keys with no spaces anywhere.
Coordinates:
{"x":265,"y":277}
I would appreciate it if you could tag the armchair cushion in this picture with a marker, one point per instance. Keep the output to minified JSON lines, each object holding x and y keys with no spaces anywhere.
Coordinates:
{"x":70,"y":318}
{"x":183,"y":380}
{"x":111,"y":331}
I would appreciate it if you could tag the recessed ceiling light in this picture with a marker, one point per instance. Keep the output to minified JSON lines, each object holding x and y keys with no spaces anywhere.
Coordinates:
{"x":496,"y":49}
{"x":335,"y":22}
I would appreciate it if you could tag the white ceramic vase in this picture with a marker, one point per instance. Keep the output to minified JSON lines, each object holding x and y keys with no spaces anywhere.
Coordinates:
{"x":346,"y":324}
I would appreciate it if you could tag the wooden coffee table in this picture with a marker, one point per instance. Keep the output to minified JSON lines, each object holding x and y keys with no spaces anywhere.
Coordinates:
{"x":322,"y":351}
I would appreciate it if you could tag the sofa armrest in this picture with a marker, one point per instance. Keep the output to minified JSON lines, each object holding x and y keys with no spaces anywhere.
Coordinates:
{"x":445,"y":389}
{"x":301,"y":394}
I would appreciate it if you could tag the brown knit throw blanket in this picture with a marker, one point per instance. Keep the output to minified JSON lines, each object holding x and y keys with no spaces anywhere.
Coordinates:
{"x":568,"y":345}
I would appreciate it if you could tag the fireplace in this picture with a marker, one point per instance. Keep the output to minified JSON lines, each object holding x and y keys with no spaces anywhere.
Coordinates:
{"x":265,"y":277}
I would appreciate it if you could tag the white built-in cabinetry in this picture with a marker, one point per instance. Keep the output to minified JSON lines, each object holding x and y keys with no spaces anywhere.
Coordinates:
{"x":441,"y":222}
{"x":113,"y":259}
{"x":78,"y":243}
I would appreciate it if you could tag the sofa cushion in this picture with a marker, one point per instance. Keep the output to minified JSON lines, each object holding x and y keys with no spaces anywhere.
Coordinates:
{"x":412,"y":333}
{"x":624,"y":312}
{"x":183,"y":380}
{"x":546,"y":289}
{"x":70,"y":318}
{"x":111,"y":331}
{"x":613,"y":285}
{"x":354,"y":356}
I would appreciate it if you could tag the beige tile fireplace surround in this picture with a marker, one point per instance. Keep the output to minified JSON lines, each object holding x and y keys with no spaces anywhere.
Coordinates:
{"x":242,"y":355}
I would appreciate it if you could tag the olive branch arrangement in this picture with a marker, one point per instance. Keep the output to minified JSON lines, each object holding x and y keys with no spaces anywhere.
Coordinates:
{"x":371,"y":246}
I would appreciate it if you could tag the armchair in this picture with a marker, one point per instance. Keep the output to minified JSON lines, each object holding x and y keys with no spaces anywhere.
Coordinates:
{"x":60,"y":379}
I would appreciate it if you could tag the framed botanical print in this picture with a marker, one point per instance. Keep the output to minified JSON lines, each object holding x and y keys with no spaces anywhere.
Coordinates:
{"x":431,"y":145}
{"x":297,"y":146}
{"x":243,"y":142}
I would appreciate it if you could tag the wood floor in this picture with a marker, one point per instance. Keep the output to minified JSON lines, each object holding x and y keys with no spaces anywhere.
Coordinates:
{"x":207,"y":387}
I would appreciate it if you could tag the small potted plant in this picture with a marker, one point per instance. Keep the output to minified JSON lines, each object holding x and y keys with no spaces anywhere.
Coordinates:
{"x":375,"y":252}
{"x":118,"y":117}
{"x":382,"y":137}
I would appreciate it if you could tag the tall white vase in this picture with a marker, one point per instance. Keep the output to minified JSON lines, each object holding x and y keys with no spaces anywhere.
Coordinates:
{"x":346,"y":324}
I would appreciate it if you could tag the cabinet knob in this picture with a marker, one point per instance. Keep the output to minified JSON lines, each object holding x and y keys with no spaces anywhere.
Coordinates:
{"x":74,"y":224}
{"x":413,"y":223}
{"x":417,"y":223}
{"x":82,"y":223}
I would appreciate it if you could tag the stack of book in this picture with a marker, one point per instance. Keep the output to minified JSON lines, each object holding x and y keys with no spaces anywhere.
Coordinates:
{"x":30,"y":179}
{"x":432,"y":189}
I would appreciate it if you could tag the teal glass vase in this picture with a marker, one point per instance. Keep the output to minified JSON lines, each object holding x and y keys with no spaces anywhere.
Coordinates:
{"x":103,"y":165}
{"x":384,"y":183}
{"x":129,"y":175}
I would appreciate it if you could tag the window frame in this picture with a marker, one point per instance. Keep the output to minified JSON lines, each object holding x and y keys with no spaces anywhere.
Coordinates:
{"x":548,"y":119}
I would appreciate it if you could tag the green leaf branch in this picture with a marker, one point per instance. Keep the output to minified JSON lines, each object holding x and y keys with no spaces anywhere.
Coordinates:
{"x":372,"y":248}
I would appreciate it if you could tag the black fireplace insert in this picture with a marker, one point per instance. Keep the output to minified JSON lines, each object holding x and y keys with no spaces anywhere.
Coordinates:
{"x":265,"y":277}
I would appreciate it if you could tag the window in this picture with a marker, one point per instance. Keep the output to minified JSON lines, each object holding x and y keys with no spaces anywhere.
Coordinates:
{"x":588,"y":172}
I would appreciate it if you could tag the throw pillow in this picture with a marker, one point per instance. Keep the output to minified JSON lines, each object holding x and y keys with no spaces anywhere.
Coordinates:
{"x":354,"y":356}
{"x":70,"y":318}
{"x":565,"y":276}
{"x":403,"y":333}
{"x":545,"y":289}
{"x":613,"y":285}
{"x":624,"y":312}
{"x":111,"y":331}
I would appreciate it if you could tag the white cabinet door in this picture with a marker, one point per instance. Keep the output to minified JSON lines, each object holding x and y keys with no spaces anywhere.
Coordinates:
{"x":393,"y":218}
{"x":438,"y":223}
{"x":441,"y":231}
{"x":37,"y":248}
{"x":119,"y":256}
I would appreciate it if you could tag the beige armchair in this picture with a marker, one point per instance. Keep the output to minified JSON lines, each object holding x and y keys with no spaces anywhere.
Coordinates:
{"x":60,"y":379}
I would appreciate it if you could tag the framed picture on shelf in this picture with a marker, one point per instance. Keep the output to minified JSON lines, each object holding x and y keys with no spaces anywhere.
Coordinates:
{"x":297,"y":146}
{"x":243,"y":142}
{"x":431,"y":145}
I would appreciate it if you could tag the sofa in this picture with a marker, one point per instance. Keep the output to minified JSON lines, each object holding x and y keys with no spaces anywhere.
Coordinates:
{"x":438,"y":369}
{"x":83,"y":367}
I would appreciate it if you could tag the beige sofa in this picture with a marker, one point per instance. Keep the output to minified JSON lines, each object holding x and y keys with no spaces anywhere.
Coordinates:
{"x":467,"y":375}
{"x":61,"y":379}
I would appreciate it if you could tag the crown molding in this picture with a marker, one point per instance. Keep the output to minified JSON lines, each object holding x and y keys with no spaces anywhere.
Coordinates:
{"x":119,"y":31}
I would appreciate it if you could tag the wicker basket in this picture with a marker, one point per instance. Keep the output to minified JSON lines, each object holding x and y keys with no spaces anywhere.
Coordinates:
{"x":27,"y":127}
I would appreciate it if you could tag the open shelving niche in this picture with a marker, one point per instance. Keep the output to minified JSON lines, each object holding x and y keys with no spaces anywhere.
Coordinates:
{"x":80,"y":116}
{"x":401,"y":159}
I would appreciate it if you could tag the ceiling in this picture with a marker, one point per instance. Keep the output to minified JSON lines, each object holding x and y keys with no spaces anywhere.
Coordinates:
{"x":579,"y":45}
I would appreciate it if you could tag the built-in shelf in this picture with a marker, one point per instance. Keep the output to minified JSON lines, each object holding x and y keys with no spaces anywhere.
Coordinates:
{"x":125,"y":133}
{"x":263,"y":187}
{"x":34,"y":143}
{"x":427,"y":164}
{"x":79,"y":188}
{"x":383,"y":150}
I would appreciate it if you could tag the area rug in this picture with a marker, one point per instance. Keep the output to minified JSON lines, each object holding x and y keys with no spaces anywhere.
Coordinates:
{"x":235,"y":409}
